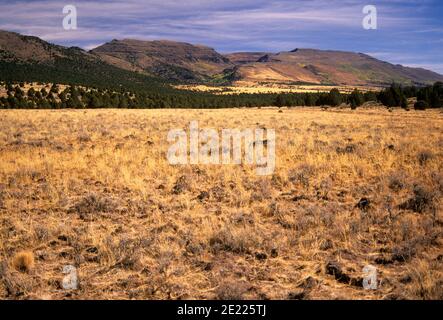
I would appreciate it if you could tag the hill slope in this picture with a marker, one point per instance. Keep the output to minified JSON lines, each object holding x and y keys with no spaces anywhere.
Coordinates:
{"x":25,"y":58}
{"x":240,"y":58}
{"x":331,"y":67}
{"x":167,"y":59}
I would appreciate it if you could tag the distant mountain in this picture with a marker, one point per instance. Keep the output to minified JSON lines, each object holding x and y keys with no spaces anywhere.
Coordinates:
{"x":149,"y":64}
{"x":166,"y":59}
{"x":329,"y":67}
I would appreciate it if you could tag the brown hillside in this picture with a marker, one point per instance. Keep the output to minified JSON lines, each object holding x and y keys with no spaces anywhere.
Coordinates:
{"x":332,"y":67}
{"x":164,"y":58}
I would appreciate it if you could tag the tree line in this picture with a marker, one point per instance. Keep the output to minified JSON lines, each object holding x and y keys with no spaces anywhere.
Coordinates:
{"x":75,"y":96}
{"x":427,"y":97}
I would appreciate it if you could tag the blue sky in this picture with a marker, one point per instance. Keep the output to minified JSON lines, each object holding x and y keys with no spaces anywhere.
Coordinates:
{"x":410,"y":32}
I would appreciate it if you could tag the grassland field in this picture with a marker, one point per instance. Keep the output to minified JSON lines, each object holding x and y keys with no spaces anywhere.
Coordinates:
{"x":93,"y":189}
{"x":271,"y":88}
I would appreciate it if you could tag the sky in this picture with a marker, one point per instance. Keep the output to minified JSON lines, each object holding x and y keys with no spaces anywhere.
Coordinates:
{"x":409,"y":32}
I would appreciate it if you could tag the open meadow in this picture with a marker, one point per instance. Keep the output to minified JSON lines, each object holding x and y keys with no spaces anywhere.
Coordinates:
{"x":270,"y":88}
{"x":93,"y":189}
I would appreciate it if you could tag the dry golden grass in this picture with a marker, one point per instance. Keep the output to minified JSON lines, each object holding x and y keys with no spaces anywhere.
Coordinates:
{"x":93,"y":189}
{"x":265,"y":88}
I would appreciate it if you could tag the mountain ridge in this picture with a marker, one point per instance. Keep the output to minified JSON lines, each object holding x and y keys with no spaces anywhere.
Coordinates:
{"x":173,"y":61}
{"x":164,"y":58}
{"x":29,"y":58}
{"x":332,"y":67}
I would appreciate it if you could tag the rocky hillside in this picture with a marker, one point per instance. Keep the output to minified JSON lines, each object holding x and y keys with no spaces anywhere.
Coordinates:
{"x":18,"y":48}
{"x":166,"y":59}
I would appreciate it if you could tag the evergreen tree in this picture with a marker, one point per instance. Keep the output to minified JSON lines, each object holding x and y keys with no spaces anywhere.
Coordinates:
{"x":43,"y":92}
{"x":54,"y":89}
{"x":96,"y":101}
{"x":393,"y":97}
{"x":356,"y":99}
{"x":421,"y":105}
{"x":370,"y":96}
{"x":123,"y":103}
{"x":31,"y":92}
{"x":18,"y":92}
{"x":12,"y":102}
{"x":334,"y":98}
{"x":62,"y":97}
{"x":9,"y":87}
{"x":279,"y":101}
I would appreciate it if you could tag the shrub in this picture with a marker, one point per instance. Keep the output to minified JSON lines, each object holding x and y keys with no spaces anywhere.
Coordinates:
{"x":232,"y":290}
{"x":396,"y":182}
{"x":421,"y":105}
{"x":93,"y":203}
{"x":356,"y":99}
{"x":236,"y":240}
{"x":424,"y":156}
{"x":421,"y":201}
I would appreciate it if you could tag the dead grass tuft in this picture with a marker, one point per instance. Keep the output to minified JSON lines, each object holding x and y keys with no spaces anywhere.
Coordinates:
{"x":238,"y":240}
{"x":93,"y":203}
{"x":424,"y":156}
{"x":232,"y":290}
{"x":23,"y":261}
